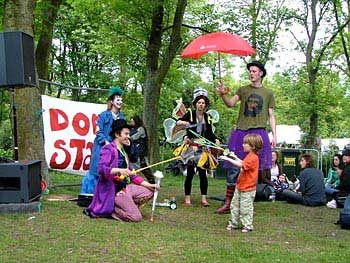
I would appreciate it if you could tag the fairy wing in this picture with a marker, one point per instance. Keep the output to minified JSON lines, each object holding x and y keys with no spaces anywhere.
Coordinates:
{"x":174,"y":133}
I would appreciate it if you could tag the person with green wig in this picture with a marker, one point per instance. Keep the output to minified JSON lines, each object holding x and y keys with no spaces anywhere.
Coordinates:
{"x":104,"y":123}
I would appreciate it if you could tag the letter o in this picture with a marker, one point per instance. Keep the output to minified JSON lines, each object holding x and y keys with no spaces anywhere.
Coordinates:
{"x":78,"y":118}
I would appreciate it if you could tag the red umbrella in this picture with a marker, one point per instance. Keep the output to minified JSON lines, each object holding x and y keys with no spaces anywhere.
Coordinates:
{"x":220,"y":42}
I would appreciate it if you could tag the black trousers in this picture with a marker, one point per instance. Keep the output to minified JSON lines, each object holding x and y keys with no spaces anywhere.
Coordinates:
{"x":203,"y":180}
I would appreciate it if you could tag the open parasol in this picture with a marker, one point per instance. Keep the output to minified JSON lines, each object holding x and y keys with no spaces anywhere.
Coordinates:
{"x":220,"y":42}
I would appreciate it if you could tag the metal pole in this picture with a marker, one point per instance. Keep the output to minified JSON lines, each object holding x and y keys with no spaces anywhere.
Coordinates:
{"x":14,"y":118}
{"x":219,"y":59}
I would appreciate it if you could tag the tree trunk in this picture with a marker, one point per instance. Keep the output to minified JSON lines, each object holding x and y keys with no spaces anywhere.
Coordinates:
{"x":155,"y":74}
{"x":19,"y":15}
{"x":43,"y":50}
{"x":312,"y":135}
{"x":312,"y":70}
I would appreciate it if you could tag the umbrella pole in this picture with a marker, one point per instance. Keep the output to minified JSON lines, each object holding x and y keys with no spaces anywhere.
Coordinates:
{"x":219,"y":59}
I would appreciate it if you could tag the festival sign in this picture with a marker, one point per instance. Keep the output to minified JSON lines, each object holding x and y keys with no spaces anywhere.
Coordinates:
{"x":69,"y":128}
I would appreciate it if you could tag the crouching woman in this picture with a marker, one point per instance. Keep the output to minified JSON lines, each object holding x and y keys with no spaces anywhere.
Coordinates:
{"x":119,"y":193}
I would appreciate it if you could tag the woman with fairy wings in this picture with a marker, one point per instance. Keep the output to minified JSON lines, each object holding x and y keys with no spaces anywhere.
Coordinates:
{"x":197,"y":121}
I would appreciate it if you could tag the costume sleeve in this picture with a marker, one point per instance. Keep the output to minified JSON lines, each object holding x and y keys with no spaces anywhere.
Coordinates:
{"x":121,"y":116}
{"x":186,"y":117}
{"x":102,"y":124}
{"x":105,"y":163}
{"x":136,"y":179}
{"x":210,"y":134}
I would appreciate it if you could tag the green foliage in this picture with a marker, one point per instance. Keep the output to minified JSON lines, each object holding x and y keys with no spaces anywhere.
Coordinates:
{"x":258,"y":22}
{"x":132,"y":104}
{"x":6,"y":139}
{"x":84,"y":56}
{"x":294,"y":103}
{"x":2,"y":3}
{"x":7,"y":153}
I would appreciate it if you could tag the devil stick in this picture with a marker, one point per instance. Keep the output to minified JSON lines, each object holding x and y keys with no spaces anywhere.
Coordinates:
{"x":158,"y":176}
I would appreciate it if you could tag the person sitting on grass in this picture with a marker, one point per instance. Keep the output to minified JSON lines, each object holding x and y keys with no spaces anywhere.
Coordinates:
{"x":279,"y":185}
{"x":242,"y":204}
{"x":333,"y":176}
{"x":119,"y":192}
{"x":311,"y":191}
{"x":343,"y":189}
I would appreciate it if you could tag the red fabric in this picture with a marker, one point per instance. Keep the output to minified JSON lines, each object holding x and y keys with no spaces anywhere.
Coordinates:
{"x":248,"y":176}
{"x":218,"y":41}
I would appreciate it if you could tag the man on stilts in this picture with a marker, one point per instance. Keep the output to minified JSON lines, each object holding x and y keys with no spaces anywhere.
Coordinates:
{"x":256,"y":109}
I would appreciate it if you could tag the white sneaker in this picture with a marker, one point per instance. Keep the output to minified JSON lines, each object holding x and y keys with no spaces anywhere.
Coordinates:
{"x":247,"y":230}
{"x":272,"y":197}
{"x":332,"y":204}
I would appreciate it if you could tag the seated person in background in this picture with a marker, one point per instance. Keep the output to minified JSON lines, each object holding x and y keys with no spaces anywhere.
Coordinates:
{"x":343,"y":189}
{"x":276,"y":168}
{"x":280,"y":183}
{"x":119,"y":193}
{"x":311,"y":191}
{"x":333,"y":177}
{"x":139,"y":139}
{"x":275,"y":171}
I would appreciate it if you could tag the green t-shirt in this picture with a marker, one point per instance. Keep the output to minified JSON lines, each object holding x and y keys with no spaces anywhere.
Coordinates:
{"x":254,"y":108}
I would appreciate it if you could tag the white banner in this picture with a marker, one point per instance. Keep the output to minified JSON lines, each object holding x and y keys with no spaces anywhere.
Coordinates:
{"x":69,"y":128}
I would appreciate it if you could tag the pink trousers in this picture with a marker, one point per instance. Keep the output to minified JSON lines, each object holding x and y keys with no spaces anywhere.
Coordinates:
{"x":127,"y":203}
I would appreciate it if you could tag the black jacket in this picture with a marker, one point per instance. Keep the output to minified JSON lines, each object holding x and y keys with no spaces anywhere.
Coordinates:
{"x":207,"y":131}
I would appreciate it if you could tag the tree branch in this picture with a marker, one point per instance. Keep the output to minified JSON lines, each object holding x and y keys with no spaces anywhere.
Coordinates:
{"x":319,"y":58}
{"x":342,"y":37}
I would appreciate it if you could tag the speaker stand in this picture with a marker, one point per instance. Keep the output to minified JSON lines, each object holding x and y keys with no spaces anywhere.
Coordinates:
{"x":14,"y":117}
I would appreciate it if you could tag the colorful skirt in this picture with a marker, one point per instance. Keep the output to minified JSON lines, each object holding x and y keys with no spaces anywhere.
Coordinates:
{"x":235,"y":144}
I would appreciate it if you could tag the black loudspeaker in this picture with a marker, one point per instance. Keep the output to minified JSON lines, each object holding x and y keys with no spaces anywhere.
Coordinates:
{"x":17,"y":59}
{"x":20,"y":182}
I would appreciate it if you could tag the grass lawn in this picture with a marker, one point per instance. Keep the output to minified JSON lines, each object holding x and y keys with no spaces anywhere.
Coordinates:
{"x":283,"y":232}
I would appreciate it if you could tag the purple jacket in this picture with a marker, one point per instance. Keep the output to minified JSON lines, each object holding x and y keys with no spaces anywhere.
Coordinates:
{"x":103,"y":201}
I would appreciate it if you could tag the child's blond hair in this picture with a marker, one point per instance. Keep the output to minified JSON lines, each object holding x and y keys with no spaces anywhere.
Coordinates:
{"x":255,"y":141}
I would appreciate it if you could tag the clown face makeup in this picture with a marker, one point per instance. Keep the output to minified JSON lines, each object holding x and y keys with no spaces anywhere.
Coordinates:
{"x":117,"y":102}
